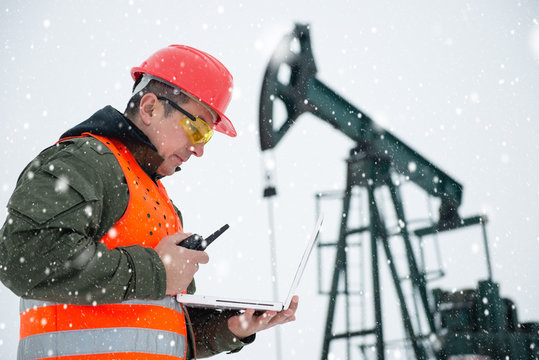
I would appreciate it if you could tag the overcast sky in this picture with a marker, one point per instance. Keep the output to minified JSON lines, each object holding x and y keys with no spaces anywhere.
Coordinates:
{"x":457,"y":81}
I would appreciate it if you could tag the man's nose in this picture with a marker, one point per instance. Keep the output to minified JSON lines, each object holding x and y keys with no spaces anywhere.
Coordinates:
{"x":197,"y":149}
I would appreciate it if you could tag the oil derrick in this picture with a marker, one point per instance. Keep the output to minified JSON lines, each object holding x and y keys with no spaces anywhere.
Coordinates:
{"x":441,"y":324}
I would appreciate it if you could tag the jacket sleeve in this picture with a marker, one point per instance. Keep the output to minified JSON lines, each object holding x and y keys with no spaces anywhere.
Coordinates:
{"x":49,"y":244}
{"x":211,"y":333}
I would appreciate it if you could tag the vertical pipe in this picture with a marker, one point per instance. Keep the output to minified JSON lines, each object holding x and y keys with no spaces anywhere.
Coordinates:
{"x":487,"y":252}
{"x":362,"y":275}
{"x":378,"y":327}
{"x":340,"y":262}
{"x":347,"y":302}
{"x":318,"y":198}
{"x":440,"y":264}
{"x":418,"y":279}
{"x":268,"y":162}
{"x":275,"y":283}
{"x":423,"y":272}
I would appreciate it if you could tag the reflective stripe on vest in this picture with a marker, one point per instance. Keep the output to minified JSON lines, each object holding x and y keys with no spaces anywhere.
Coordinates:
{"x":135,"y":329}
{"x":145,"y":342}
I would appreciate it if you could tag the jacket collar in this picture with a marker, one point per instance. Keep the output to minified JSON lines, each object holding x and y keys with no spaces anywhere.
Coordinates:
{"x":111,"y":123}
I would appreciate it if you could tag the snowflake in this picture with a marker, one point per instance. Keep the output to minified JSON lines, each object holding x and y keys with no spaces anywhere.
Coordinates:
{"x":61,"y":185}
{"x":88,"y":210}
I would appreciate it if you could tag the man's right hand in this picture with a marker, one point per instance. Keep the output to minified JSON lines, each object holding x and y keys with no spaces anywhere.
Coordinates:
{"x":181,"y":264}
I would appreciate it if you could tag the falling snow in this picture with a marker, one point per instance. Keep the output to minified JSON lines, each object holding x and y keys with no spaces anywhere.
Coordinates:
{"x":459,"y":88}
{"x":62,"y":185}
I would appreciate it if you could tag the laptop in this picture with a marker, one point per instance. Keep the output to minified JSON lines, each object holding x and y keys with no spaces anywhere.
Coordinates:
{"x":215,"y":302}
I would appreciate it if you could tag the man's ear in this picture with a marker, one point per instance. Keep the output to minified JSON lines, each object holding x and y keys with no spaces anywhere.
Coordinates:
{"x":147,"y":108}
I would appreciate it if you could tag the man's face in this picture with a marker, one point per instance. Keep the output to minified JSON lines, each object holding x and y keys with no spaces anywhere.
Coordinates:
{"x":170,"y":139}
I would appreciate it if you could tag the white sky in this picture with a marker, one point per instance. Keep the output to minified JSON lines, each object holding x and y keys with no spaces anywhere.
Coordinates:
{"x":457,"y":81}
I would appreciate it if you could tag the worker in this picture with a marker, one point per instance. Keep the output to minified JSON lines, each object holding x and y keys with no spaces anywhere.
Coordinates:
{"x":90,"y":242}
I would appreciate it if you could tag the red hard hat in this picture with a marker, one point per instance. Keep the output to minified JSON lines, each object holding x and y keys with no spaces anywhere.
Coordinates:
{"x":195,"y":72}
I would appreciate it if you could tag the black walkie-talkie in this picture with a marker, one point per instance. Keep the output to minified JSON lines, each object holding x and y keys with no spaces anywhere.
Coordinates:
{"x":197,"y":242}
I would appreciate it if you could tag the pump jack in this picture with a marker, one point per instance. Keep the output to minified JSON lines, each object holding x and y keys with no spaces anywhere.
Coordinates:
{"x":456,"y":322}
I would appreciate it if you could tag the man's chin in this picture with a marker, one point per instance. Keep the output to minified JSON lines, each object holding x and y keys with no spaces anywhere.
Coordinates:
{"x":161,"y":171}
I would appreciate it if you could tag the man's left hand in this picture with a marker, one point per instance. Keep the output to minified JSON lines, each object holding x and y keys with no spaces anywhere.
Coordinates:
{"x":249,"y":323}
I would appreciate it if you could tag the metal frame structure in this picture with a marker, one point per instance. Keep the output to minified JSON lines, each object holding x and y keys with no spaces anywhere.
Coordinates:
{"x":474,"y":321}
{"x":377,"y":155}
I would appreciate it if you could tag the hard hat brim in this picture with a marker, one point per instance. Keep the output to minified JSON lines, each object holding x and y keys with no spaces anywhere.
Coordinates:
{"x":224,"y":125}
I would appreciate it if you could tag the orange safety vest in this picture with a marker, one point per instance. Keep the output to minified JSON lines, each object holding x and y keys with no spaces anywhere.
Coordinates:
{"x":135,"y":329}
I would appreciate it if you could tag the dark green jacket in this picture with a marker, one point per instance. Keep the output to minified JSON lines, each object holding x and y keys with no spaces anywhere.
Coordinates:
{"x":65,"y":200}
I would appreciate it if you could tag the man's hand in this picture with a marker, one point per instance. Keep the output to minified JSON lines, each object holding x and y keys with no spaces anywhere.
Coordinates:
{"x":248,"y":323}
{"x":181,"y":264}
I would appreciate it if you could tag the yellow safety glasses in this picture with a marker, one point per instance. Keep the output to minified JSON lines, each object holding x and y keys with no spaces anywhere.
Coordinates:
{"x":198,"y":131}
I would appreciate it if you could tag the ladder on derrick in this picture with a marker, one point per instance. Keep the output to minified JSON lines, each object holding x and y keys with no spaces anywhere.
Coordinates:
{"x":369,"y":173}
